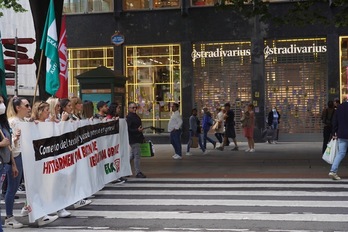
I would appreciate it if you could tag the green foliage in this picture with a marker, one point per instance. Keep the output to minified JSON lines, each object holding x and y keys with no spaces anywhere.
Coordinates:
{"x":11,"y":4}
{"x":300,"y":13}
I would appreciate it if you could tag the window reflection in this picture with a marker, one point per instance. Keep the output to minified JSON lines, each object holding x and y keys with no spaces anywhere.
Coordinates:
{"x":88,"y":6}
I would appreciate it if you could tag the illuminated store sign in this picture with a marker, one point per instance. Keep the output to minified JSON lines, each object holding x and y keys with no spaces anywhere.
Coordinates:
{"x":219,"y":52}
{"x":293,"y":49}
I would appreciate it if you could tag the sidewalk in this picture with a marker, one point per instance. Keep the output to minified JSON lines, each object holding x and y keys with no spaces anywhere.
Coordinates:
{"x":282,"y":160}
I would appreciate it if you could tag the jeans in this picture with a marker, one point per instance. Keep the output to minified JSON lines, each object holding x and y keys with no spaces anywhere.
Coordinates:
{"x":342,"y":149}
{"x":205,"y":138}
{"x":175,"y":140}
{"x":12,"y":184}
{"x":219,"y":137}
{"x":135,"y":155}
{"x":2,"y":178}
{"x":199,"y":141}
{"x":275,"y":128}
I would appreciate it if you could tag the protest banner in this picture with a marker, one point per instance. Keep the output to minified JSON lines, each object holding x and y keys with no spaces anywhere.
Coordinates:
{"x":68,"y":161}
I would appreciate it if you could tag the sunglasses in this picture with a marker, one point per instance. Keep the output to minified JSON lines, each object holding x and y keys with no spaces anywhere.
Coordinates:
{"x":134,"y":107}
{"x":27,"y":105}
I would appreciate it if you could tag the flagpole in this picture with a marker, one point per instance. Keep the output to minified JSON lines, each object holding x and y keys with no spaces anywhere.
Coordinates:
{"x":38,"y":76}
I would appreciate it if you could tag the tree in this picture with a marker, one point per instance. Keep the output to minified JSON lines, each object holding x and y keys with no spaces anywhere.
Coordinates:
{"x":11,"y":4}
{"x":300,"y":13}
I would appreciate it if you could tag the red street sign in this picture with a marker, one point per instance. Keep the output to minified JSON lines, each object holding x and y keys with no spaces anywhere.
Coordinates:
{"x":13,"y":47}
{"x":13,"y":54}
{"x":19,"y":41}
{"x":10,"y":67}
{"x":10,"y":82}
{"x":19,"y":61}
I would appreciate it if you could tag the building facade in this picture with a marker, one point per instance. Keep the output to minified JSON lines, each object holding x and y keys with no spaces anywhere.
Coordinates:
{"x":200,"y":55}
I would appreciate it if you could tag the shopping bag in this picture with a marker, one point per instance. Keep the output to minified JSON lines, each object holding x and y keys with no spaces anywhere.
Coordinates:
{"x":331,"y":151}
{"x":194,"y":142}
{"x":147,"y":149}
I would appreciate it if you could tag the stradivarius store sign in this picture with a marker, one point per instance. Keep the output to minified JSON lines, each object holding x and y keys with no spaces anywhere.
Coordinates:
{"x":267,"y":51}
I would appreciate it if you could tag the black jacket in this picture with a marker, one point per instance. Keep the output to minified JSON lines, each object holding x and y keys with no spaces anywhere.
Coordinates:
{"x":134,"y":122}
{"x":270,"y":118}
{"x":340,"y":122}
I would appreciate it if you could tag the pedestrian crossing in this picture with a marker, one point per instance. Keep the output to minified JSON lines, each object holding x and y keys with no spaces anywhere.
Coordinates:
{"x":168,"y":205}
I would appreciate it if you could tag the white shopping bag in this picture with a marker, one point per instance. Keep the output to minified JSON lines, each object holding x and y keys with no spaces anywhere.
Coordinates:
{"x":331,"y":151}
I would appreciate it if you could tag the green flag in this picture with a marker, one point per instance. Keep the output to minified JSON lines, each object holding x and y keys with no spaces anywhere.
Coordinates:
{"x":2,"y":72}
{"x":49,"y":44}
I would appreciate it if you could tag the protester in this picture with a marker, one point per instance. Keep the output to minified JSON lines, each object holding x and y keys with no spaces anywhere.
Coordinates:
{"x":229,"y":128}
{"x":54,"y":109}
{"x":66,"y":113}
{"x":327,"y":118}
{"x":273,"y":122}
{"x":113,"y":111}
{"x":6,"y":155}
{"x":87,"y":109}
{"x":248,"y":127}
{"x":136,"y":137}
{"x":340,"y":132}
{"x":102,"y":108}
{"x":77,"y":107}
{"x":40,"y":113}
{"x":174,"y":128}
{"x":194,"y":131}
{"x":207,"y":122}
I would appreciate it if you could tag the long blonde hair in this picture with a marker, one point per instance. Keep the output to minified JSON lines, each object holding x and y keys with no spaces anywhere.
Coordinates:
{"x":38,"y":108}
{"x":74,"y":101}
{"x":52,"y":102}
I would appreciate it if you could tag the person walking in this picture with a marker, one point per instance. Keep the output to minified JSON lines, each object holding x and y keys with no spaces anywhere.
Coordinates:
{"x":219,"y":128}
{"x":230,"y":131}
{"x":207,"y":122}
{"x":194,"y":131}
{"x":248,"y":121}
{"x":136,"y":137}
{"x":174,"y":128}
{"x":340,"y":132}
{"x":273,"y":122}
{"x":327,"y":118}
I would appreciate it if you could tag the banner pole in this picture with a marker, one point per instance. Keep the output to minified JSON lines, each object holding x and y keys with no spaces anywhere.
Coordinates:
{"x":38,"y":76}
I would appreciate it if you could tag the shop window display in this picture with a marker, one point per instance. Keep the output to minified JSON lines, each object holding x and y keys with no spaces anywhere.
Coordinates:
{"x":150,"y":4}
{"x":81,"y":60}
{"x":344,"y":67}
{"x":154,"y":81}
{"x":296,"y":83}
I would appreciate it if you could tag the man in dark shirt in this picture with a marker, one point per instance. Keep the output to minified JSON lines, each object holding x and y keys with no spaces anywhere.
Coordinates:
{"x":102,"y":108}
{"x":340,"y":132}
{"x":136,"y":137}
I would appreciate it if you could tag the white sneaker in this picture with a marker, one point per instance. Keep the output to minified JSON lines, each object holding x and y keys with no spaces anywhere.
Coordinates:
{"x":205,"y":152}
{"x":82,"y":203}
{"x":63,"y":213}
{"x":188,"y":153}
{"x":11,"y":222}
{"x":47,"y":220}
{"x":24,"y":211}
{"x":177,"y":157}
{"x":252,"y":150}
{"x":247,"y":150}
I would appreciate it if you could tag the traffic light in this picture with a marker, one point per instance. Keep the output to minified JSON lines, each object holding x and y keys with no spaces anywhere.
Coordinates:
{"x":14,"y":51}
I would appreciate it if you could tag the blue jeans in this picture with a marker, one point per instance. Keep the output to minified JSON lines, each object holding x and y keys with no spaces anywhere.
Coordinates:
{"x":199,"y":141}
{"x":342,"y":149}
{"x":12,"y":184}
{"x":205,"y":138}
{"x":275,"y":128}
{"x":175,"y":140}
{"x":2,"y":178}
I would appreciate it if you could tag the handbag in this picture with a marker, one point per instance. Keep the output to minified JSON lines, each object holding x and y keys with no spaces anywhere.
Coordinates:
{"x":194,"y":142}
{"x":147,"y":149}
{"x":331,"y":151}
{"x":216,"y":126}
